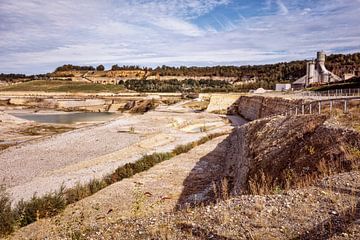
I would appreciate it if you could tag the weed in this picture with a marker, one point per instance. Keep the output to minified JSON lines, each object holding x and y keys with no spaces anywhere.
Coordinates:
{"x":277,"y":190}
{"x":355,"y":152}
{"x":139,"y":200}
{"x":224,"y":189}
{"x":310,"y":149}
{"x":132,"y":130}
{"x":204,"y":128}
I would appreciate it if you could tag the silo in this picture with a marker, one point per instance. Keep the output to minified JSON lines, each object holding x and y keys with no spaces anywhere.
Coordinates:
{"x":311,"y":72}
{"x":321,"y":57}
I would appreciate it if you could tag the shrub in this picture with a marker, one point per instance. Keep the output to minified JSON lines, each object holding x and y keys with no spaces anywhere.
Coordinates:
{"x":76,"y":193}
{"x":40,"y":207}
{"x":7,"y":218}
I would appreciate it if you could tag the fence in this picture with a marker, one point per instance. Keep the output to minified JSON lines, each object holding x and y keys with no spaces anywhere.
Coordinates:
{"x":334,"y":93}
{"x":327,"y":106}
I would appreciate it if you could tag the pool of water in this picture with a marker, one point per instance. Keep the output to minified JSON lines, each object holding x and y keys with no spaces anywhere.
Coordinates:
{"x":67,"y":118}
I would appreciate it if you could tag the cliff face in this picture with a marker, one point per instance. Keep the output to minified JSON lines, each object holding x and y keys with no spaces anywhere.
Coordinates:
{"x":255,"y":107}
{"x":220,"y":102}
{"x":283,"y":152}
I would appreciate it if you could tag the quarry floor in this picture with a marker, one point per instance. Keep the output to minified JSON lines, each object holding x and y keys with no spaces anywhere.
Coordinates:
{"x":145,"y":207}
{"x":43,"y":165}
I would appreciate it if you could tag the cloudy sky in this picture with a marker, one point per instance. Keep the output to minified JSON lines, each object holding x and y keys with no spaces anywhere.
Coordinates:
{"x":38,"y":35}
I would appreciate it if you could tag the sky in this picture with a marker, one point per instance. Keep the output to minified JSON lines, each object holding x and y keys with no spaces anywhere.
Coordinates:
{"x":36,"y":36}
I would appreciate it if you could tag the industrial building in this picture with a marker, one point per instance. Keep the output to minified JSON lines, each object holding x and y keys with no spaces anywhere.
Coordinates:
{"x":316,"y":73}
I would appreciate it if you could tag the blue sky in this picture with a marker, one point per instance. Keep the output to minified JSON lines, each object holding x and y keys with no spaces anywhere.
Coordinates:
{"x":38,"y":35}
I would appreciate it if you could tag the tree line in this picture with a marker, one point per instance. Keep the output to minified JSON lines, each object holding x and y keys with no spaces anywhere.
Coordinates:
{"x":189,"y":85}
{"x":286,"y":71}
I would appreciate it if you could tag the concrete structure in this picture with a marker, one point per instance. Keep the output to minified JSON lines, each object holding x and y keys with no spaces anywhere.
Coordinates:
{"x":280,"y":87}
{"x":316,"y":73}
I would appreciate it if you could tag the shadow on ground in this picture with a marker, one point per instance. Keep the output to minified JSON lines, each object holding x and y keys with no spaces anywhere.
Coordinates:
{"x":201,"y":187}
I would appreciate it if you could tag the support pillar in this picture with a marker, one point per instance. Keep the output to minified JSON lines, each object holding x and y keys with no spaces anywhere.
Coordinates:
{"x":345,"y":107}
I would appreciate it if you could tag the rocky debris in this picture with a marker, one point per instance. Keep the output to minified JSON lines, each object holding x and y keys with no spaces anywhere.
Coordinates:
{"x":329,"y":210}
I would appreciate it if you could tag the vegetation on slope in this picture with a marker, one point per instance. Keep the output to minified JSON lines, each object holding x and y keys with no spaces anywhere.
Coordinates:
{"x":62,"y":86}
{"x":179,"y":86}
{"x":133,"y":85}
{"x":338,"y":63}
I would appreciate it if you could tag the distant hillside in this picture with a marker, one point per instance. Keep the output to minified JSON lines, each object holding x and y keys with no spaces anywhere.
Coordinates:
{"x":244,"y":77}
{"x":338,"y":63}
{"x":284,"y":71}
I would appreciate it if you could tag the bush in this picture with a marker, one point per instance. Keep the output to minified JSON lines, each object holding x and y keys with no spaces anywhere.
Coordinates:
{"x":40,"y":207}
{"x":7,"y":218}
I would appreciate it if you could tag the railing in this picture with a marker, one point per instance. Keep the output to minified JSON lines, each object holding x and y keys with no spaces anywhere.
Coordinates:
{"x":333,"y":93}
{"x":325,"y":106}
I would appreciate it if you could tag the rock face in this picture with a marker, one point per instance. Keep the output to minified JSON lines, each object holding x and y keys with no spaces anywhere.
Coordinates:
{"x":220,"y":102}
{"x":282,"y":152}
{"x":255,"y":107}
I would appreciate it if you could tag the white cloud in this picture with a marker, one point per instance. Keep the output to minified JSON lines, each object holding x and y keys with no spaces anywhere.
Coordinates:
{"x":282,"y":8}
{"x":38,"y":35}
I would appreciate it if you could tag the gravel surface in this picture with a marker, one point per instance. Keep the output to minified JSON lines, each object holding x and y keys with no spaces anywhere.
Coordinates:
{"x":43,"y":165}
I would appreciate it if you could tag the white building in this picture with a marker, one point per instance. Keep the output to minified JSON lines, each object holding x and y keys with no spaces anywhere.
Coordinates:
{"x":281,"y":87}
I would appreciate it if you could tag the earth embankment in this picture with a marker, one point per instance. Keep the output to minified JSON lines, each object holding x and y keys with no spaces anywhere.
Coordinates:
{"x":283,"y":152}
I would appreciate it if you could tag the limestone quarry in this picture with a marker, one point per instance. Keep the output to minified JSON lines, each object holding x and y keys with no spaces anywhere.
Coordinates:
{"x":271,"y":176}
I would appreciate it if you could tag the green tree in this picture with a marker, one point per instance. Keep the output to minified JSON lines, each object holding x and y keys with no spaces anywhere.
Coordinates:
{"x":100,"y":68}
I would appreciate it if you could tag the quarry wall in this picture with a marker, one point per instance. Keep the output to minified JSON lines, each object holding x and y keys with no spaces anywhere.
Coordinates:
{"x":255,"y":107}
{"x":219,"y":102}
{"x":250,"y":107}
{"x":284,"y":151}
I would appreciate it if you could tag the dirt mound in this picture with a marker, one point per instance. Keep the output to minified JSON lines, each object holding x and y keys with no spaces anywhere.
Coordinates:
{"x":283,"y":152}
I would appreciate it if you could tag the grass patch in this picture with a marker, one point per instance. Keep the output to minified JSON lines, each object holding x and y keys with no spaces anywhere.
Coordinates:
{"x":63,"y":86}
{"x":44,"y":130}
{"x":51,"y":204}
